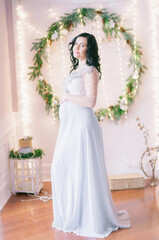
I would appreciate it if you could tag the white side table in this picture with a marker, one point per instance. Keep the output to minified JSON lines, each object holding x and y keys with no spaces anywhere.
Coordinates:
{"x":26,"y":175}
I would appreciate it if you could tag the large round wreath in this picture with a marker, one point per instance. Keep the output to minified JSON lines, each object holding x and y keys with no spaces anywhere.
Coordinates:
{"x":111,"y":23}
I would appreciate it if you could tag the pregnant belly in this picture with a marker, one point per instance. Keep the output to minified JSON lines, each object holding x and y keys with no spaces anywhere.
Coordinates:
{"x":71,"y":112}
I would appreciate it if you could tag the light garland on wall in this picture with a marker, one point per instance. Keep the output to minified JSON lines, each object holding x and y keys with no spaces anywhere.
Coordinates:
{"x":135,"y":43}
{"x":22,"y":16}
{"x":99,"y":39}
{"x":155,"y":66}
{"x":22,"y":68}
{"x":62,"y":33}
{"x":31,"y":27}
{"x":53,"y":14}
{"x":132,"y":5}
{"x":102,"y":70}
{"x":123,"y":102}
{"x":51,"y":78}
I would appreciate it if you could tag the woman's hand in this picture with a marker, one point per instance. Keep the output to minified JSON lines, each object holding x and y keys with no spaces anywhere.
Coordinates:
{"x":64,"y":97}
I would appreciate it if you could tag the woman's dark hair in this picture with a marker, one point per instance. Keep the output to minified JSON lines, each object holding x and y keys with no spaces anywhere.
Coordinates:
{"x":91,"y":53}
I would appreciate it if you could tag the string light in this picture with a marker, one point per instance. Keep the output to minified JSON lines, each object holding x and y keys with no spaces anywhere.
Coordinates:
{"x":120,"y":61}
{"x":122,"y":76}
{"x":129,"y":9}
{"x":132,"y":5}
{"x":22,"y":16}
{"x":62,"y":33}
{"x":23,"y":102}
{"x":20,"y":12}
{"x":31,"y":27}
{"x":53,"y":14}
{"x":99,"y":39}
{"x":134,"y":51}
{"x":51,"y":78}
{"x":81,"y":20}
{"x":62,"y":51}
{"x":155,"y":65}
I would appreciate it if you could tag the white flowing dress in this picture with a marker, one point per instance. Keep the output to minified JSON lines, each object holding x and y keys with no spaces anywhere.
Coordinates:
{"x":82,"y":201}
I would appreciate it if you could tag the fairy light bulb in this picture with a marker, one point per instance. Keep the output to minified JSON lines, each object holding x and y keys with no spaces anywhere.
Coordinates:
{"x":99,"y":39}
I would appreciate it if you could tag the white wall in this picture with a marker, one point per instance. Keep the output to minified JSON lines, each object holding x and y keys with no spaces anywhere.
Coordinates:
{"x":8,"y":140}
{"x":5,"y":78}
{"x":8,"y":119}
{"x":123,"y":143}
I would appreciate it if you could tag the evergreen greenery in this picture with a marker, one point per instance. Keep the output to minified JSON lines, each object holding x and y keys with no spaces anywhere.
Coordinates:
{"x":35,"y":154}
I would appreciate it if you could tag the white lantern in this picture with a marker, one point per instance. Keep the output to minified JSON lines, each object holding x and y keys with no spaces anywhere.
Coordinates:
{"x":26,"y":175}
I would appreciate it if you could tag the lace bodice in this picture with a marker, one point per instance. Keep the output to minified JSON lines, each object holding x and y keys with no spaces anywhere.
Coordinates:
{"x":74,"y":82}
{"x":81,"y":86}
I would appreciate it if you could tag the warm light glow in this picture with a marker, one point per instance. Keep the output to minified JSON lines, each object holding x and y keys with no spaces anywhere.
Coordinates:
{"x":81,"y":21}
{"x":23,"y":101}
{"x":51,"y":80}
{"x":20,"y":12}
{"x":22,"y":17}
{"x":132,"y":5}
{"x":62,"y":52}
{"x":99,"y":39}
{"x":53,"y":14}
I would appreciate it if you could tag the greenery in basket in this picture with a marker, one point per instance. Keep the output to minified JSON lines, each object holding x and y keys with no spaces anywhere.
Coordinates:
{"x":35,"y":154}
{"x":27,"y":138}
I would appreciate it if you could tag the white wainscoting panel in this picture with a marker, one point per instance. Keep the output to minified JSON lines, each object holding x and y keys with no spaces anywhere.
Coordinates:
{"x":8,"y":140}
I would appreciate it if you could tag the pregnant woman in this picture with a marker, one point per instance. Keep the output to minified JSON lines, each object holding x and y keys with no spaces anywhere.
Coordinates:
{"x":82,"y":201}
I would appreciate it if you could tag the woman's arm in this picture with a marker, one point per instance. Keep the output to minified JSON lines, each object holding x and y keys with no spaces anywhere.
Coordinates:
{"x":91,"y":84}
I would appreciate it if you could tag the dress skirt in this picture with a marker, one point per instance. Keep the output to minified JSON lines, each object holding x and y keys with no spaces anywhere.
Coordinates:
{"x":82,"y":201}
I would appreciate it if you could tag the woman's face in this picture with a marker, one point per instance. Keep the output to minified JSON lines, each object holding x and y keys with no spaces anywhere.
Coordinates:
{"x":80,"y":48}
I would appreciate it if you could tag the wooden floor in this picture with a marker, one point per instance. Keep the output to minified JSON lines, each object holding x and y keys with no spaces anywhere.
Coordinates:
{"x":32,"y":220}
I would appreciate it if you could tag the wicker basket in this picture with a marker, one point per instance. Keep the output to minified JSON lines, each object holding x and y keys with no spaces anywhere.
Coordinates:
{"x":126,"y":181}
{"x":25,"y":143}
